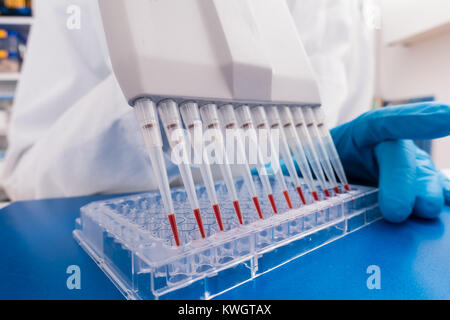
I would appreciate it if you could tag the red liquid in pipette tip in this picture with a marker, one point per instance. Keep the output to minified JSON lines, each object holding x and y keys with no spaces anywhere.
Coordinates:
{"x":237,"y":208}
{"x":315,"y":195}
{"x":347,"y":187}
{"x":272,"y":203}
{"x":173,"y":225}
{"x":216,"y":210}
{"x":288,"y":199}
{"x":258,"y":207}
{"x":336,"y":189}
{"x":198,"y":218}
{"x":327,"y":193}
{"x":302,"y":196}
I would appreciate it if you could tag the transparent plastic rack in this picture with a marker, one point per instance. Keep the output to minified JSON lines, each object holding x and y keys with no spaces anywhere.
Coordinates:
{"x":130,"y":239}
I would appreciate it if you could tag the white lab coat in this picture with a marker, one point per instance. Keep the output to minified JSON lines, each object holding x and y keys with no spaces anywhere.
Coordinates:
{"x":72,"y":132}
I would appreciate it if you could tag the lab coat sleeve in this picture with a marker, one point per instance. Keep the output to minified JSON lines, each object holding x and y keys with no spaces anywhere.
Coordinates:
{"x":340,"y":45}
{"x":72,"y":133}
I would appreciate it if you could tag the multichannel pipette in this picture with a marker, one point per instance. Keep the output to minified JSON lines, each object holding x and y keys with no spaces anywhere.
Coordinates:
{"x":260,"y":120}
{"x":296,"y":147}
{"x":148,"y":120}
{"x":245,"y":122}
{"x":170,"y":117}
{"x":311,"y":155}
{"x":211,"y":120}
{"x":193,"y":123}
{"x":330,"y":147}
{"x":275,"y":123}
{"x":148,"y":61}
{"x":308,"y":115}
{"x":229,"y":122}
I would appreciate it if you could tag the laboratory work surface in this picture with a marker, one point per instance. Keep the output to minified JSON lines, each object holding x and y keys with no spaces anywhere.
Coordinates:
{"x":407,"y":261}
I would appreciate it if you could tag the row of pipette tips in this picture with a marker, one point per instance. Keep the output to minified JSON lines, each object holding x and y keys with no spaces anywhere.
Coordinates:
{"x":247,"y":119}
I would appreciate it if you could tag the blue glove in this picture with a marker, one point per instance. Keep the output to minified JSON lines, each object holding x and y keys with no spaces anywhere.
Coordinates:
{"x":375,"y":149}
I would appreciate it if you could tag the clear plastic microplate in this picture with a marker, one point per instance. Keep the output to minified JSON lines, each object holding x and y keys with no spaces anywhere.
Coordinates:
{"x":130,"y":239}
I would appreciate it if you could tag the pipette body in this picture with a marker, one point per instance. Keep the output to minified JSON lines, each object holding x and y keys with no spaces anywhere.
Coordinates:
{"x":170,"y":117}
{"x":330,"y":147}
{"x":319,"y":146}
{"x":297,"y":149}
{"x":148,"y":120}
{"x":229,"y":122}
{"x":211,"y":121}
{"x":193,"y":123}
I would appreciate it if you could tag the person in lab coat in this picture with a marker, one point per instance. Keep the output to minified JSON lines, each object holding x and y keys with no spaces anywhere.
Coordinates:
{"x":73,"y":133}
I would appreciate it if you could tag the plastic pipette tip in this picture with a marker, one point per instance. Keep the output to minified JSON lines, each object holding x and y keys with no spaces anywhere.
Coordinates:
{"x":315,"y":195}
{"x":173,"y":225}
{"x":300,"y":193}
{"x":327,"y":193}
{"x":347,"y":187}
{"x":336,"y":189}
{"x":198,"y":218}
{"x":272,"y":203}
{"x":288,"y":199}
{"x":216,"y":210}
{"x":258,"y":207}
{"x":237,"y":208}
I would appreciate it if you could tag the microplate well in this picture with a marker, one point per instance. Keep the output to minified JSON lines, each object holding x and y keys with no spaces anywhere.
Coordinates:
{"x":130,"y":238}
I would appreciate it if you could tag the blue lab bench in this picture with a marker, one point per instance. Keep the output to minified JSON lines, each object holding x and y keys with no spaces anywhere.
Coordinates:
{"x":37,"y":247}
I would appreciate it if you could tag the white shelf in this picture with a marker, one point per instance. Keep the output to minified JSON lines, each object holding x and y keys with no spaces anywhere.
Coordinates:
{"x":422,"y":36}
{"x":9,"y":76}
{"x":21,"y":21}
{"x":406,"y":22}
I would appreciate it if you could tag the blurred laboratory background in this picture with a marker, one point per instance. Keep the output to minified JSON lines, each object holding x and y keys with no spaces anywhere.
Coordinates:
{"x":15,"y":24}
{"x":413,"y":45}
{"x":411,"y":39}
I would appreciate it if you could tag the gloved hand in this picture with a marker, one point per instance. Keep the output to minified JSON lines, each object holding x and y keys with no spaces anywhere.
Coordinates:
{"x":376,"y":149}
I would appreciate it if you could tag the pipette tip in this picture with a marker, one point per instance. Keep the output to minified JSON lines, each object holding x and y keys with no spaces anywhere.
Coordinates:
{"x":272,"y":203}
{"x":336,"y":189}
{"x":173,"y":225}
{"x":315,"y":196}
{"x":198,"y":218}
{"x":347,"y":187}
{"x":216,"y":210}
{"x":302,"y":196}
{"x":288,"y":199}
{"x":258,"y":207}
{"x":237,"y":208}
{"x":327,"y":193}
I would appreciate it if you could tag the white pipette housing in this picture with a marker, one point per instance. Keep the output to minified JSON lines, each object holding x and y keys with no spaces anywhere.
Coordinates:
{"x":231,"y":50}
